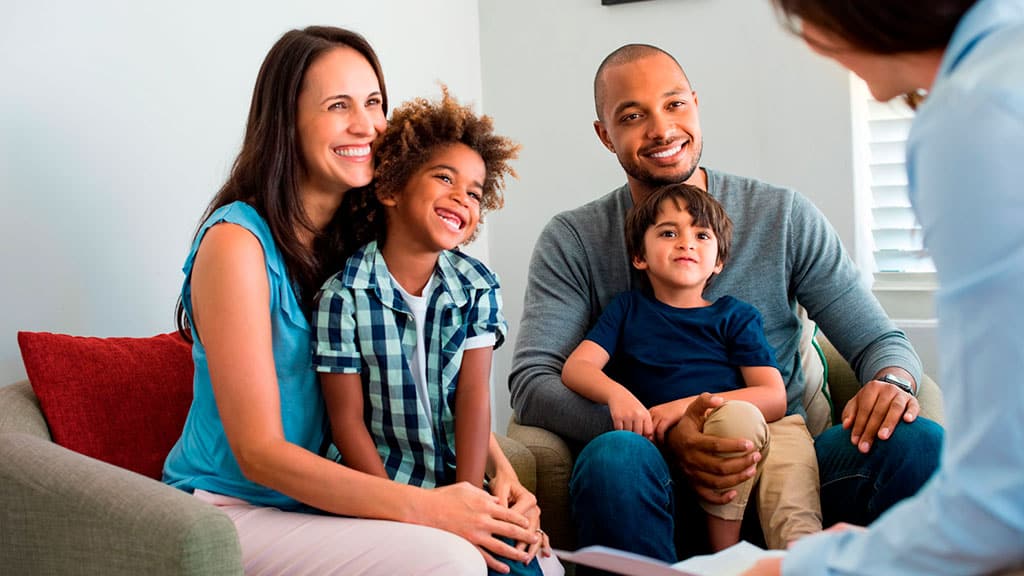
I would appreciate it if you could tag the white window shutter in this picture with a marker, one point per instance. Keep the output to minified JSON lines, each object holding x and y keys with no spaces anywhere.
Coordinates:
{"x":895,"y":233}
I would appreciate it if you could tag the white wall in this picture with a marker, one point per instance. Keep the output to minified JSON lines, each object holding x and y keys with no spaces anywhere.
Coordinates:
{"x":769,"y":108}
{"x":119,"y":120}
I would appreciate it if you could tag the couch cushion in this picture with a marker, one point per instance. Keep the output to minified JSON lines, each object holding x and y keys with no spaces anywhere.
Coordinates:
{"x":817,"y":401}
{"x":120,"y":400}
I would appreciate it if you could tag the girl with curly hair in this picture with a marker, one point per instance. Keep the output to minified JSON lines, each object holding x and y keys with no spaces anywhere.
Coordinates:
{"x":406,"y":330}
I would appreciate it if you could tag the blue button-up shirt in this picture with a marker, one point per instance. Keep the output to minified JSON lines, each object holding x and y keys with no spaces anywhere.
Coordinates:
{"x":363,"y":326}
{"x":965,"y":161}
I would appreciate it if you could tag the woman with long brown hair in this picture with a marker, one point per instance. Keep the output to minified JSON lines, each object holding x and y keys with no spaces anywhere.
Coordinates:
{"x":255,"y":434}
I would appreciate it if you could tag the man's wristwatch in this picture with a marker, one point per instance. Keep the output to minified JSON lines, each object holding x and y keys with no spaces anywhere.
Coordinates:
{"x":901,"y":383}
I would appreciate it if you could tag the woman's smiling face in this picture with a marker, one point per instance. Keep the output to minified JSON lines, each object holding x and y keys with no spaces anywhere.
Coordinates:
{"x":340,"y":113}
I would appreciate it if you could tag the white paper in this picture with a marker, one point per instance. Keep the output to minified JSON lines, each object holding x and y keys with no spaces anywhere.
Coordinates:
{"x":732,"y":561}
{"x":620,"y":562}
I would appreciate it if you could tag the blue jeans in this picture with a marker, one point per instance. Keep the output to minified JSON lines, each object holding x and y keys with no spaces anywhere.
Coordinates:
{"x":623,"y":494}
{"x":516,"y":568}
{"x":857,"y":488}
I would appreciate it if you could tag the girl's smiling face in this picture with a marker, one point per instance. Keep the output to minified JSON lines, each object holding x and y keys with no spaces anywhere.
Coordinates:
{"x":439,"y":207}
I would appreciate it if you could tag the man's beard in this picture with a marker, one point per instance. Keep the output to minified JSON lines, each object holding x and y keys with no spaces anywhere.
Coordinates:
{"x":635,"y":171}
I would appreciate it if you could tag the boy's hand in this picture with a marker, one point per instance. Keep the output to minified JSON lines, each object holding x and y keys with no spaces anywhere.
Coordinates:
{"x":629,"y":414}
{"x":665,"y":416}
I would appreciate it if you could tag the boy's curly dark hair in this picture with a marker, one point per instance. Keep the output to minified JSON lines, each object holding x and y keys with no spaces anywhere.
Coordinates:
{"x":417,"y":129}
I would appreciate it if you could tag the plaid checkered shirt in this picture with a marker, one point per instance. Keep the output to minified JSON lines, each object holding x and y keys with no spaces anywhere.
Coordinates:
{"x":363,"y":326}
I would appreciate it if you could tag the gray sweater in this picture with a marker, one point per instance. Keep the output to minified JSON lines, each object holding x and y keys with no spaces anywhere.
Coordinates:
{"x":784,"y":251}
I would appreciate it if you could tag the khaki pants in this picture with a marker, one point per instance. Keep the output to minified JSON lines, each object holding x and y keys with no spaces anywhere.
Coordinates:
{"x":788,"y":490}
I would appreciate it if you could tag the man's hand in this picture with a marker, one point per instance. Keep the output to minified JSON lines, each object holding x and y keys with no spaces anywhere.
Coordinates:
{"x":876,"y":410}
{"x":697,"y":454}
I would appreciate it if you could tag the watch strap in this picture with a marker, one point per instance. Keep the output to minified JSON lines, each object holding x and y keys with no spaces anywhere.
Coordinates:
{"x":901,"y":383}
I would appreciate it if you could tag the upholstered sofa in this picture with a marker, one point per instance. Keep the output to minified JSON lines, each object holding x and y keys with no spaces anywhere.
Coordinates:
{"x":554,"y":457}
{"x":63,"y":512}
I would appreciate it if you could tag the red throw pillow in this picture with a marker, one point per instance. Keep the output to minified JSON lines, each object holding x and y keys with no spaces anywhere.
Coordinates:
{"x":120,"y":400}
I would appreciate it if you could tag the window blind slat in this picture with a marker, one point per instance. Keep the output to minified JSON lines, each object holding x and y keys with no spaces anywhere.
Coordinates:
{"x":888,"y":175}
{"x":892,"y":217}
{"x":897,"y":237}
{"x":903,"y":262}
{"x":888,"y":152}
{"x":890,"y":196}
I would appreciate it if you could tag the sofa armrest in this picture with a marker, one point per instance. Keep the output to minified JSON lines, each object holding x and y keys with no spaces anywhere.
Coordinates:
{"x":522,"y":461}
{"x":63,"y":513}
{"x":929,"y":396}
{"x":554,"y":461}
{"x":843,"y":385}
{"x":20,"y":412}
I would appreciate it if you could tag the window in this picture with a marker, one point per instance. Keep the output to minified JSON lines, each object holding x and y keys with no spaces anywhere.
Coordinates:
{"x":886,"y":223}
{"x":889,"y":239}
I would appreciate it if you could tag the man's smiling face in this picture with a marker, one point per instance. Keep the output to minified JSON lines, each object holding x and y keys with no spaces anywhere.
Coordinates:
{"x":649,"y":121}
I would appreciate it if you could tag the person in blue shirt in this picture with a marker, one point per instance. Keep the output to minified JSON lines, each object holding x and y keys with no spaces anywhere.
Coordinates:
{"x":966,"y":185}
{"x":405,"y":332}
{"x":252,"y":440}
{"x":654,"y":351}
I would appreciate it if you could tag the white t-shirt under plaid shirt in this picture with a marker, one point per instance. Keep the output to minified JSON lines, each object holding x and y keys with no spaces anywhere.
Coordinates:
{"x":363,"y":325}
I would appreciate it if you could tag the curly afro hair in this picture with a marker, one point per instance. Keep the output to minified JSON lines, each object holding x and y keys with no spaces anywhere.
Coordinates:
{"x":417,"y":129}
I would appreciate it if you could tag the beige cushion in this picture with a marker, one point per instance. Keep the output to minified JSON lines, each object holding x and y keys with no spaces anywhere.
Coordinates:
{"x":812,"y":361}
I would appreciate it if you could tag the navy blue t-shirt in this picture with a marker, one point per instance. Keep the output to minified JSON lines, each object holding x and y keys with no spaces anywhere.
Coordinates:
{"x":662,"y":353}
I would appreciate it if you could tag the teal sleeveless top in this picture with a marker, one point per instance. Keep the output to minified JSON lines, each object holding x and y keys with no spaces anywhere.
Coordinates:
{"x":202,"y":458}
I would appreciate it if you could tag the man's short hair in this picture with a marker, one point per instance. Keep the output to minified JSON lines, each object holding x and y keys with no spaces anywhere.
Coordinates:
{"x":625,"y":55}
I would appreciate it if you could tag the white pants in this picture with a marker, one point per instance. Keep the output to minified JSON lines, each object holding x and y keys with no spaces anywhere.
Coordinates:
{"x":275,"y":542}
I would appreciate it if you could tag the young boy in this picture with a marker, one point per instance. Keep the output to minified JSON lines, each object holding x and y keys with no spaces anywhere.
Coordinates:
{"x":664,"y":348}
{"x":405,"y":332}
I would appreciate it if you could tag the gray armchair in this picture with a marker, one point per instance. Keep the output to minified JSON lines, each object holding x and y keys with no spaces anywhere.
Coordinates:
{"x":65,"y":513}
